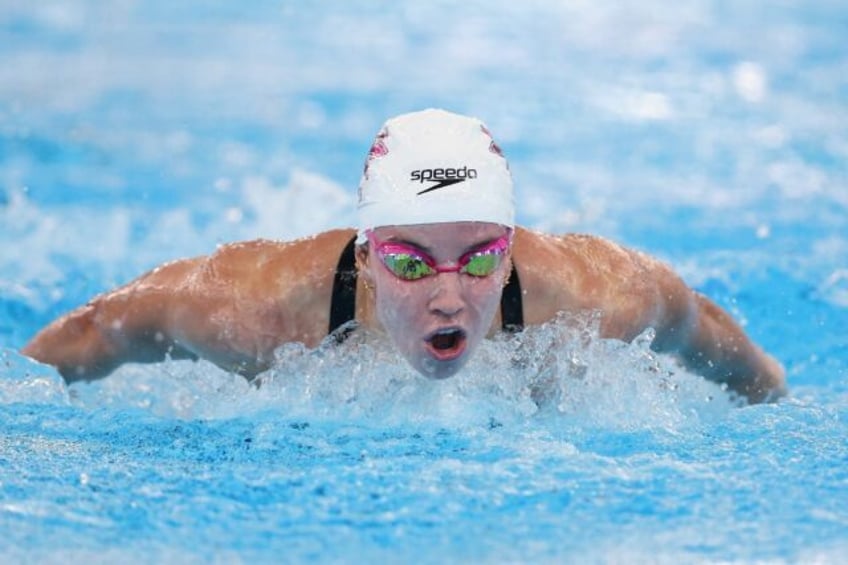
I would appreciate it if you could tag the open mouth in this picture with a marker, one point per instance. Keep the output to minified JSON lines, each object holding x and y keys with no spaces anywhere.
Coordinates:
{"x":446,"y":343}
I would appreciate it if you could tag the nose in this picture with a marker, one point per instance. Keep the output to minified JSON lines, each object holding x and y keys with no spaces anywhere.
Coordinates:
{"x":446,"y":299}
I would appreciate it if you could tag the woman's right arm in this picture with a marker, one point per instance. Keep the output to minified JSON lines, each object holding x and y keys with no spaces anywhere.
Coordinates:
{"x":129,"y":324}
{"x":233,"y":308}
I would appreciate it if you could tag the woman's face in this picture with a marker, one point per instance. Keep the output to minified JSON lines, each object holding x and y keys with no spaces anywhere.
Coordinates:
{"x":436,"y":321}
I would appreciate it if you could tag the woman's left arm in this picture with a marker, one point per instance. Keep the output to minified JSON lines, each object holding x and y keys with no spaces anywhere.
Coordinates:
{"x":710,"y":342}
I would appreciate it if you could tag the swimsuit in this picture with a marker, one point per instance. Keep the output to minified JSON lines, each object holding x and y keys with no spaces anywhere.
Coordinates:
{"x":343,"y":302}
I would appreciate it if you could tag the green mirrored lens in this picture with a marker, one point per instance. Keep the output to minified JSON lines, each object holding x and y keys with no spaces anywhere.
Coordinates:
{"x":482,"y":265}
{"x":406,"y":266}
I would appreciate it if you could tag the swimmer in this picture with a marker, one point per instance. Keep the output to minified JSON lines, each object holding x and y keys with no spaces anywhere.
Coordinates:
{"x":436,"y":265}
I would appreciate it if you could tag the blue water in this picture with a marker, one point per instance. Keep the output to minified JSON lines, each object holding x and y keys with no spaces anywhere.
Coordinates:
{"x":711,"y":134}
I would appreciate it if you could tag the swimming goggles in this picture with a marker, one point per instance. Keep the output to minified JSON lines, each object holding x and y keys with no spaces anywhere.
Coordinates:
{"x":409,"y":263}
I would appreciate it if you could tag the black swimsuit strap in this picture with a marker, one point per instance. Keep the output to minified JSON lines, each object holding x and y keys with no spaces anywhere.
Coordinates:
{"x":512,"y":307}
{"x":343,"y":301}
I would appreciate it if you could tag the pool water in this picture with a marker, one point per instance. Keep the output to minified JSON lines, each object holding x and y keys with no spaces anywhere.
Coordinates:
{"x":712,"y":135}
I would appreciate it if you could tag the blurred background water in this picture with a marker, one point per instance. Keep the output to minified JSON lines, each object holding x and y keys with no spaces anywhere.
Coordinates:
{"x":711,"y":134}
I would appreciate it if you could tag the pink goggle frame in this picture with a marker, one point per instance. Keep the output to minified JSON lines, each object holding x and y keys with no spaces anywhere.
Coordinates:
{"x":409,"y":263}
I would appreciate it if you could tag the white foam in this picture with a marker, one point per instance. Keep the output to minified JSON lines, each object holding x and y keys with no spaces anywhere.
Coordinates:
{"x":561,"y":373}
{"x":120,"y":242}
{"x":24,"y":380}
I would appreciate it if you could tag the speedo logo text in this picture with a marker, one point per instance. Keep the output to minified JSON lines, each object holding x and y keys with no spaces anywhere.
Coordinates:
{"x":442,"y":176}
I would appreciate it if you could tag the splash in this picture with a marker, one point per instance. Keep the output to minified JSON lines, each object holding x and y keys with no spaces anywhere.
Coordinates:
{"x":561,"y":372}
{"x":25,"y":380}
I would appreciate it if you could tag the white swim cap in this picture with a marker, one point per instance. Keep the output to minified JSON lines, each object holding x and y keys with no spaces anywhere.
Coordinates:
{"x":431,"y":167}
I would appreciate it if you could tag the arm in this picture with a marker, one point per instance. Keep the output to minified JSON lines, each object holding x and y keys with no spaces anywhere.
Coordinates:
{"x":234,"y":308}
{"x":715,"y":346}
{"x":578,"y":273}
{"x":125,"y":325}
{"x":709,"y":342}
{"x":703,"y":336}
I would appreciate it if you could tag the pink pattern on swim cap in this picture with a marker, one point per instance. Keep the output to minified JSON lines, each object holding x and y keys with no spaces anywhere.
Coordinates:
{"x":378,"y":149}
{"x":493,"y":147}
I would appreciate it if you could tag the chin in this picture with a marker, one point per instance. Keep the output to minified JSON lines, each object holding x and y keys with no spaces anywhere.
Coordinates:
{"x":436,"y":369}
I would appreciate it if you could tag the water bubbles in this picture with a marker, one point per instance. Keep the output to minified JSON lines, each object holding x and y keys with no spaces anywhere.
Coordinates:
{"x":561,"y":373}
{"x":27,"y":381}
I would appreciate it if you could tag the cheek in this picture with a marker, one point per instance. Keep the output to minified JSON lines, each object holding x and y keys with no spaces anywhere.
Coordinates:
{"x":486,"y":295}
{"x":396,"y":307}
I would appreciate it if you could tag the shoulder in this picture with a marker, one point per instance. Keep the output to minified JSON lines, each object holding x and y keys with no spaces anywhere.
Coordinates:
{"x":263,"y":267}
{"x":585,"y":253}
{"x":572,"y":254}
{"x":576,"y":272}
{"x":304,"y":254}
{"x":325,"y":243}
{"x":269,"y":289}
